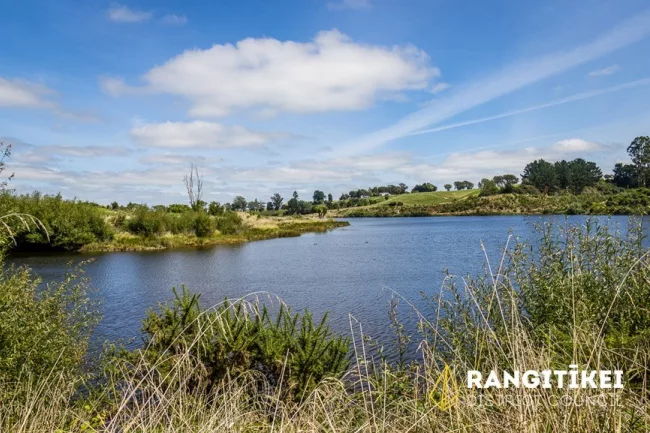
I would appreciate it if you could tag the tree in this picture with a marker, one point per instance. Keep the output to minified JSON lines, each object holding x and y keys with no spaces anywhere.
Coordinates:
{"x":403,"y":188}
{"x":467,"y":184}
{"x":239,"y":203}
{"x":293,"y":206}
{"x":276,"y":200}
{"x":321,"y":210}
{"x":488,"y":187}
{"x":639,"y":151}
{"x":319,"y":197}
{"x":115,"y":206}
{"x":562,"y":174}
{"x":505,"y":180}
{"x":425,"y":187}
{"x":330,"y":199}
{"x":463,"y":184}
{"x":448,"y":186}
{"x":541,"y":174}
{"x":215,"y":208}
{"x":344,"y":196}
{"x":194,"y":186}
{"x":625,"y":176}
{"x":255,"y":205}
{"x":583,"y":174}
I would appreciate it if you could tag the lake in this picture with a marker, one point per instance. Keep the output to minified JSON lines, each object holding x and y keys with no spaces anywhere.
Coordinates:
{"x":347,"y":271}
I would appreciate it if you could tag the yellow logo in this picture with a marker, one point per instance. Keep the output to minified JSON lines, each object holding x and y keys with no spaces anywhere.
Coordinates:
{"x":444,"y":394}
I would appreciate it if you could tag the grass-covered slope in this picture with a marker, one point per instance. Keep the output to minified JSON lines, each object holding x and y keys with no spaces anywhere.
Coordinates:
{"x":592,"y":201}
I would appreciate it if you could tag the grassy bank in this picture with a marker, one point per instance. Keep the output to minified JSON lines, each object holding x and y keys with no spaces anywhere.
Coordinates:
{"x":573,"y":295}
{"x":592,"y":201}
{"x":41,"y":222}
{"x":252,"y":229}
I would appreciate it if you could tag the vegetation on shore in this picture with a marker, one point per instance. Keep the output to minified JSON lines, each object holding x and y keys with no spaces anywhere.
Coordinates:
{"x":603,"y":199}
{"x":562,"y":187}
{"x":70,"y":225}
{"x":573,"y":295}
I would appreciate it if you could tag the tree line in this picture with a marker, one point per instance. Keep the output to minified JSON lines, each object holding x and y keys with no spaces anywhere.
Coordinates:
{"x":538,"y":177}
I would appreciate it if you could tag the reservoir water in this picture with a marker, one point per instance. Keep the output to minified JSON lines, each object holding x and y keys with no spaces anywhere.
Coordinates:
{"x":347,"y":271}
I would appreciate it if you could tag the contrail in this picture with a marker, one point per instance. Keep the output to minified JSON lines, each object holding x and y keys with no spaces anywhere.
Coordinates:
{"x":577,"y":97}
{"x":508,"y":80}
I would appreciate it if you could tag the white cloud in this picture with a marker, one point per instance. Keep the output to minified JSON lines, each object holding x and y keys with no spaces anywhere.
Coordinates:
{"x":175,"y":159}
{"x":174,"y":20}
{"x":24,"y":94}
{"x":474,"y":165}
{"x":200,"y":134}
{"x":609,"y":70}
{"x":350,"y":4}
{"x":123,"y":14}
{"x":439,"y":87}
{"x":576,"y":145}
{"x":307,"y":172}
{"x":503,"y":82}
{"x":17,"y":93}
{"x":330,"y":73}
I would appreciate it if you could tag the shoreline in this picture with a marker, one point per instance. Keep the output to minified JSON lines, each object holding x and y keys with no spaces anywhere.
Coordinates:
{"x":125,"y":243}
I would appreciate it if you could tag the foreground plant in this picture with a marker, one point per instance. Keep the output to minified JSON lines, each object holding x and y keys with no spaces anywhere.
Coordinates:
{"x":238,"y":367}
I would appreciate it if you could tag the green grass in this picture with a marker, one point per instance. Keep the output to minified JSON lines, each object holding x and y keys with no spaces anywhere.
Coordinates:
{"x":429,"y":198}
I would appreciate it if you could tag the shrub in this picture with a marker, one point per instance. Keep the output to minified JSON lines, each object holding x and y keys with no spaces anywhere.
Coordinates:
{"x":180,"y":222}
{"x":43,"y":330}
{"x":203,"y":225}
{"x":526,"y":189}
{"x":228,"y":223}
{"x":145,"y":222}
{"x":238,"y":338}
{"x":488,"y":187}
{"x":68,"y":224}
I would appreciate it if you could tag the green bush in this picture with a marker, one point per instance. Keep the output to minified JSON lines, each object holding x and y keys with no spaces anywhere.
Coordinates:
{"x":145,"y":222}
{"x":229,"y":223}
{"x":178,"y":223}
{"x":68,"y":224}
{"x":238,"y":338}
{"x":43,"y":330}
{"x":203,"y":225}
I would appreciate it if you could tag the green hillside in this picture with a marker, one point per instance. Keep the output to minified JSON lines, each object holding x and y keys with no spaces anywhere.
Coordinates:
{"x":428,"y":198}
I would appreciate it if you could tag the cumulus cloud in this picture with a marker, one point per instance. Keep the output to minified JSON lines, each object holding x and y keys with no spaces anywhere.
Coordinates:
{"x":609,"y":70}
{"x":350,"y":4}
{"x":122,"y":14}
{"x":575,"y":145}
{"x":332,"y":72}
{"x":200,"y":134}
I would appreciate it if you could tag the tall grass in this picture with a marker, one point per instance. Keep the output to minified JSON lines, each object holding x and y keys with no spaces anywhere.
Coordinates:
{"x":576,"y":295}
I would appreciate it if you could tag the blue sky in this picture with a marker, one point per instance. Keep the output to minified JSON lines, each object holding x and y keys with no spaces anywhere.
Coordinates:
{"x":112,"y":101}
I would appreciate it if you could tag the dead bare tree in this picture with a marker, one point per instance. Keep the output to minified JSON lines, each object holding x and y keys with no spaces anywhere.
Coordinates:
{"x":194,"y":186}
